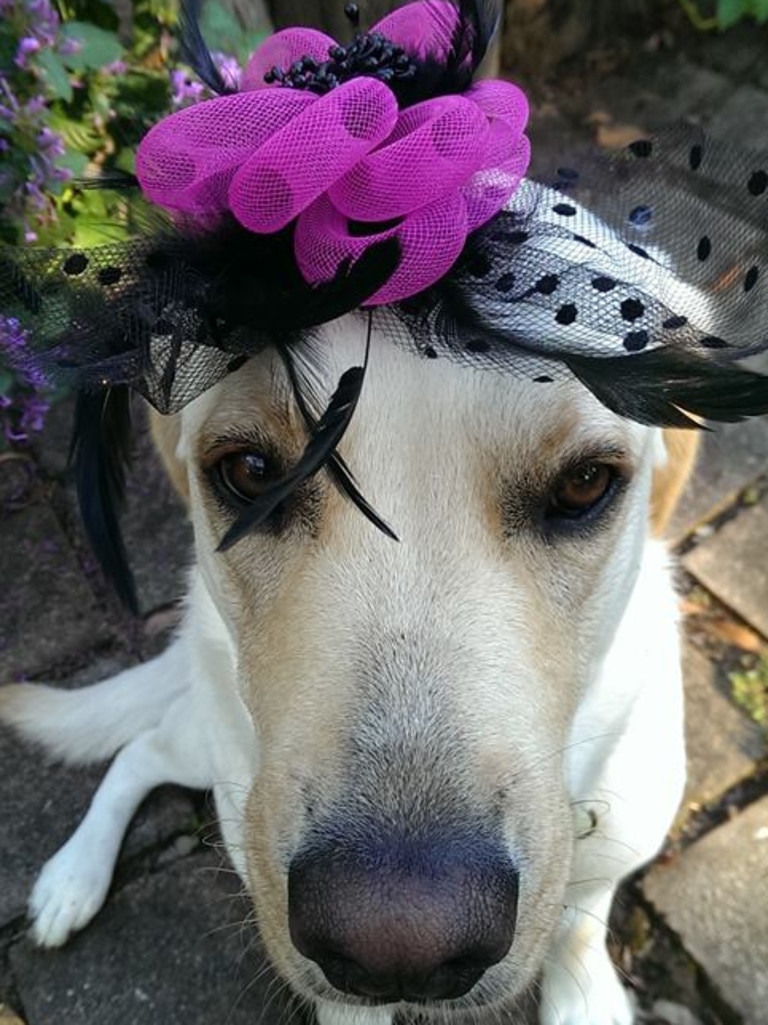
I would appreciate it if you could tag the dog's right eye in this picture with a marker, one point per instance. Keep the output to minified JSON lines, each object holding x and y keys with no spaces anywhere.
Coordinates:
{"x":243,"y":475}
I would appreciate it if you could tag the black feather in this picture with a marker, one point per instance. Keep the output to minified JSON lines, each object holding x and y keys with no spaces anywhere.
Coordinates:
{"x":661,"y":386}
{"x":338,"y":470}
{"x":111,"y":179}
{"x":100,"y":453}
{"x":328,"y":433}
{"x":194,"y":50}
{"x":467,"y":44}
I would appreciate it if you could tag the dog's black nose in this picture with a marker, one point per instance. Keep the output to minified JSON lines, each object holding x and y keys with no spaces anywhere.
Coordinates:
{"x":402,"y":921}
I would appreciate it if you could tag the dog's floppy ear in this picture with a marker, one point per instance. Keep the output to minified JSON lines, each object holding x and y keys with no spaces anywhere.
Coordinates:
{"x":670,"y":479}
{"x":166,"y":432}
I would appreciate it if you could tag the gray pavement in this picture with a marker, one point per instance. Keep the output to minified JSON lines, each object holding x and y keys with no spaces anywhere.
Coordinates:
{"x":173,"y":943}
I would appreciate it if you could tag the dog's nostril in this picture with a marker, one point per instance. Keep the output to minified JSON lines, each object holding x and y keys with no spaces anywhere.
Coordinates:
{"x":405,"y":927}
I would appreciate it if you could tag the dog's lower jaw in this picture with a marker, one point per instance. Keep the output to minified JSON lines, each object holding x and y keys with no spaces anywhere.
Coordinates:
{"x":331,"y":1013}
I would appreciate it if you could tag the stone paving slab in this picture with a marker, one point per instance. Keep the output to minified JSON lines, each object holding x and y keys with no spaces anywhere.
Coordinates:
{"x":169,"y":948}
{"x":47,"y":610}
{"x":158,"y":536}
{"x":715,"y":896}
{"x":722,"y":743}
{"x":742,"y":118}
{"x":730,"y":457}
{"x":733,"y":564}
{"x":43,"y":803}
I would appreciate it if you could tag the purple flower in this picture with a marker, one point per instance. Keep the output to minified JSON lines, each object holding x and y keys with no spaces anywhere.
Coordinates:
{"x":230,"y":70}
{"x":12,"y":335}
{"x":27,"y":46}
{"x":33,"y":412}
{"x":184,"y":90}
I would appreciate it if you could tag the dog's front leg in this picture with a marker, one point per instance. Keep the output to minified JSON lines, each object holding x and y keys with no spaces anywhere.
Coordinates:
{"x":74,"y":882}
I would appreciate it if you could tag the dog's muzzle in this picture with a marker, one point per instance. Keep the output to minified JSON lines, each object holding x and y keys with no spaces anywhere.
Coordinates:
{"x":402,"y":920}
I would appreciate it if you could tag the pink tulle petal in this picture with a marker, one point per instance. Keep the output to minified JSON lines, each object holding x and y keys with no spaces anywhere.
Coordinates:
{"x":187,"y":161}
{"x":281,"y":50}
{"x":434,"y":148}
{"x":297,"y":163}
{"x":431,"y":241}
{"x":490,"y":188}
{"x":422,"y":28}
{"x":502,"y":100}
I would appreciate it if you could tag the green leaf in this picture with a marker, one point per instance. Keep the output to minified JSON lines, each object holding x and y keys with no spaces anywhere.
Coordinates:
{"x":222,"y":31}
{"x":6,"y":380}
{"x":55,"y":74}
{"x":729,"y":12}
{"x":97,"y":46}
{"x":74,"y":162}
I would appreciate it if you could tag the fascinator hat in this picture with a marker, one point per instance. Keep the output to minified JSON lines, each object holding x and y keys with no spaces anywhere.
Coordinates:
{"x":378,"y":176}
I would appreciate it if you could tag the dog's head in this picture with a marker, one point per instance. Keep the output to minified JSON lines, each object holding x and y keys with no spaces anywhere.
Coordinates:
{"x":408,"y":833}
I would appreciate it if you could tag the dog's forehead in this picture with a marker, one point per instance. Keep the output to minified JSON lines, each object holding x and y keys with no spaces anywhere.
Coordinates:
{"x":430,"y":402}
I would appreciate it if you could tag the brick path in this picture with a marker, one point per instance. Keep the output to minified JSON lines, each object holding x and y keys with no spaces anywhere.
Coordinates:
{"x":169,"y":947}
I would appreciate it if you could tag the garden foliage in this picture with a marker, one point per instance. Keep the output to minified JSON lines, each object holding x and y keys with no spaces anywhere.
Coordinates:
{"x":81,"y":81}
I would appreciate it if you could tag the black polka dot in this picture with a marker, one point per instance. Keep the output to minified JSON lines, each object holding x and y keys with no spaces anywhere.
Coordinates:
{"x":564,"y":209}
{"x":75,"y":264}
{"x":713,"y":342}
{"x":640,"y":216}
{"x":632,"y":309}
{"x":584,"y":241}
{"x":694,"y":157}
{"x":543,"y":379}
{"x":673,"y":323}
{"x":477,"y":345}
{"x":566,"y":314}
{"x":635,"y":341}
{"x":479,"y":266}
{"x":750,"y":278}
{"x":704,"y":248}
{"x":505,"y":282}
{"x":641,"y":147}
{"x":603,"y":283}
{"x":758,"y":183}
{"x":638,"y":250}
{"x":568,"y":174}
{"x":517,"y":237}
{"x":429,"y":352}
{"x":548,"y":284}
{"x":110,"y":275}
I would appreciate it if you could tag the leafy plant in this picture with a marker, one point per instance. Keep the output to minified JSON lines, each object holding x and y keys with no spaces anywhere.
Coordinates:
{"x":81,"y":81}
{"x":750,"y":690}
{"x":727,"y":13}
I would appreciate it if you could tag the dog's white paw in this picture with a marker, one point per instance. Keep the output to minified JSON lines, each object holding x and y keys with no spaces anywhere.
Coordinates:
{"x":69,"y":891}
{"x":593,"y":997}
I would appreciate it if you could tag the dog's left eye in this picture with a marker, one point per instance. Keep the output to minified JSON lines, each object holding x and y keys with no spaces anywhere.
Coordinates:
{"x":581,"y":490}
{"x":243,"y":475}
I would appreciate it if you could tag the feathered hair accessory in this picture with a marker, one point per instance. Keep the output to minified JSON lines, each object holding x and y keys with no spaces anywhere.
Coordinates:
{"x":378,"y":176}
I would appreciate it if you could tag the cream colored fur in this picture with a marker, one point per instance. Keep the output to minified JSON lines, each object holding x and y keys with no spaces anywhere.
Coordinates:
{"x":554,"y":660}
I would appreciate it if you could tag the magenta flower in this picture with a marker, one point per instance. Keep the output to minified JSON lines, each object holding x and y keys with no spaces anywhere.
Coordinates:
{"x":340,"y":158}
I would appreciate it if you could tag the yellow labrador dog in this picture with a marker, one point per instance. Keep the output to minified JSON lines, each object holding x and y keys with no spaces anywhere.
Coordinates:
{"x":430,"y":759}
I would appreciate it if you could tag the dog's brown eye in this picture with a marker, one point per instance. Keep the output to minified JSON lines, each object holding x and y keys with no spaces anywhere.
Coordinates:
{"x":581,"y":489}
{"x":244,"y":474}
